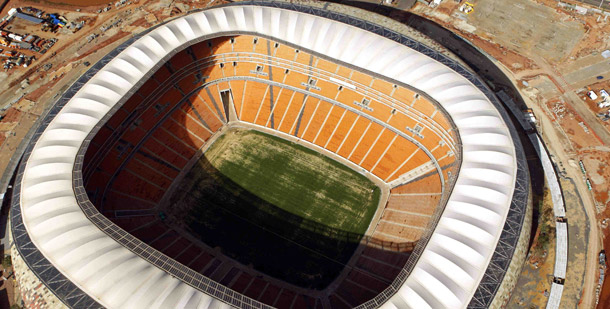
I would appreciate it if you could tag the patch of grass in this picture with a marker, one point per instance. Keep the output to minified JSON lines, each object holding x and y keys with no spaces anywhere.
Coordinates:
{"x":7,"y":262}
{"x":296,"y":179}
{"x":289,"y":211}
{"x":546,"y":227}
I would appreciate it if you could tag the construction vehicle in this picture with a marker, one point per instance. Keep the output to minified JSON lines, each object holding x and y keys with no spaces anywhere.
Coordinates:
{"x":529,"y":115}
{"x":467,"y":8}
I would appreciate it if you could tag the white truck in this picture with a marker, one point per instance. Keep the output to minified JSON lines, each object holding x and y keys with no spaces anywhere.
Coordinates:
{"x":591,"y":94}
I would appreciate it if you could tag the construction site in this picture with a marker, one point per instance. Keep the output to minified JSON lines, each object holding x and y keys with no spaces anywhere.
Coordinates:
{"x":554,"y":54}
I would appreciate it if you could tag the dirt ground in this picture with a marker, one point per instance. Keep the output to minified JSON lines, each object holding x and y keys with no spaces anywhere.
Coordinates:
{"x":7,"y":287}
{"x":593,"y":105}
{"x":580,"y":135}
{"x":578,"y":236}
{"x":80,"y":3}
{"x":531,"y":291}
{"x":535,"y":280}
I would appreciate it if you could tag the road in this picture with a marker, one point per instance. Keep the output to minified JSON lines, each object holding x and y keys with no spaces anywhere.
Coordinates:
{"x":595,"y":238}
{"x":555,"y":143}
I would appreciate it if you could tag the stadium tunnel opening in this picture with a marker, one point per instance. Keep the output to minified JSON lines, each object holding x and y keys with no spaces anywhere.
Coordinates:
{"x":149,"y":143}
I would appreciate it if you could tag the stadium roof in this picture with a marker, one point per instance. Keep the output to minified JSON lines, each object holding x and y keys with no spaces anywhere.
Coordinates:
{"x":450,"y":267}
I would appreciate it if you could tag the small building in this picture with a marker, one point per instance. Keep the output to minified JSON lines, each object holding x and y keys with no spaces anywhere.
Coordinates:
{"x":7,"y":53}
{"x":30,"y":38}
{"x":15,"y":37}
{"x":16,"y":13}
{"x":29,"y":18}
{"x":25,"y":45}
{"x":57,"y":20}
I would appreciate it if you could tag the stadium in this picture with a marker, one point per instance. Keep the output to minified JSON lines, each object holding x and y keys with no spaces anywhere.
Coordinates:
{"x":271,"y":154}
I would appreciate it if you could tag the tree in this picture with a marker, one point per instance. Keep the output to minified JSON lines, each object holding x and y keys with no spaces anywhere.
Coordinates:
{"x":7,"y":262}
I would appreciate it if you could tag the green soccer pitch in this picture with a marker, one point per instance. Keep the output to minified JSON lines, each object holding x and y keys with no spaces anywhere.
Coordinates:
{"x":278,"y":206}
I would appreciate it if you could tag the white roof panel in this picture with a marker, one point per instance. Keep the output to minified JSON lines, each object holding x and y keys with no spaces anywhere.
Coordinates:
{"x":561,"y":258}
{"x":552,"y":181}
{"x":555,"y":296}
{"x":114,"y":276}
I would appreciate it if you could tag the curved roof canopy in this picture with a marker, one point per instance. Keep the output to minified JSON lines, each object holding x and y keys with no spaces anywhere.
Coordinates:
{"x":453,"y":261}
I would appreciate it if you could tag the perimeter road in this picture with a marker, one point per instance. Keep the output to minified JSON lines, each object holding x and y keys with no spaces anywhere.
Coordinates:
{"x":554,"y":144}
